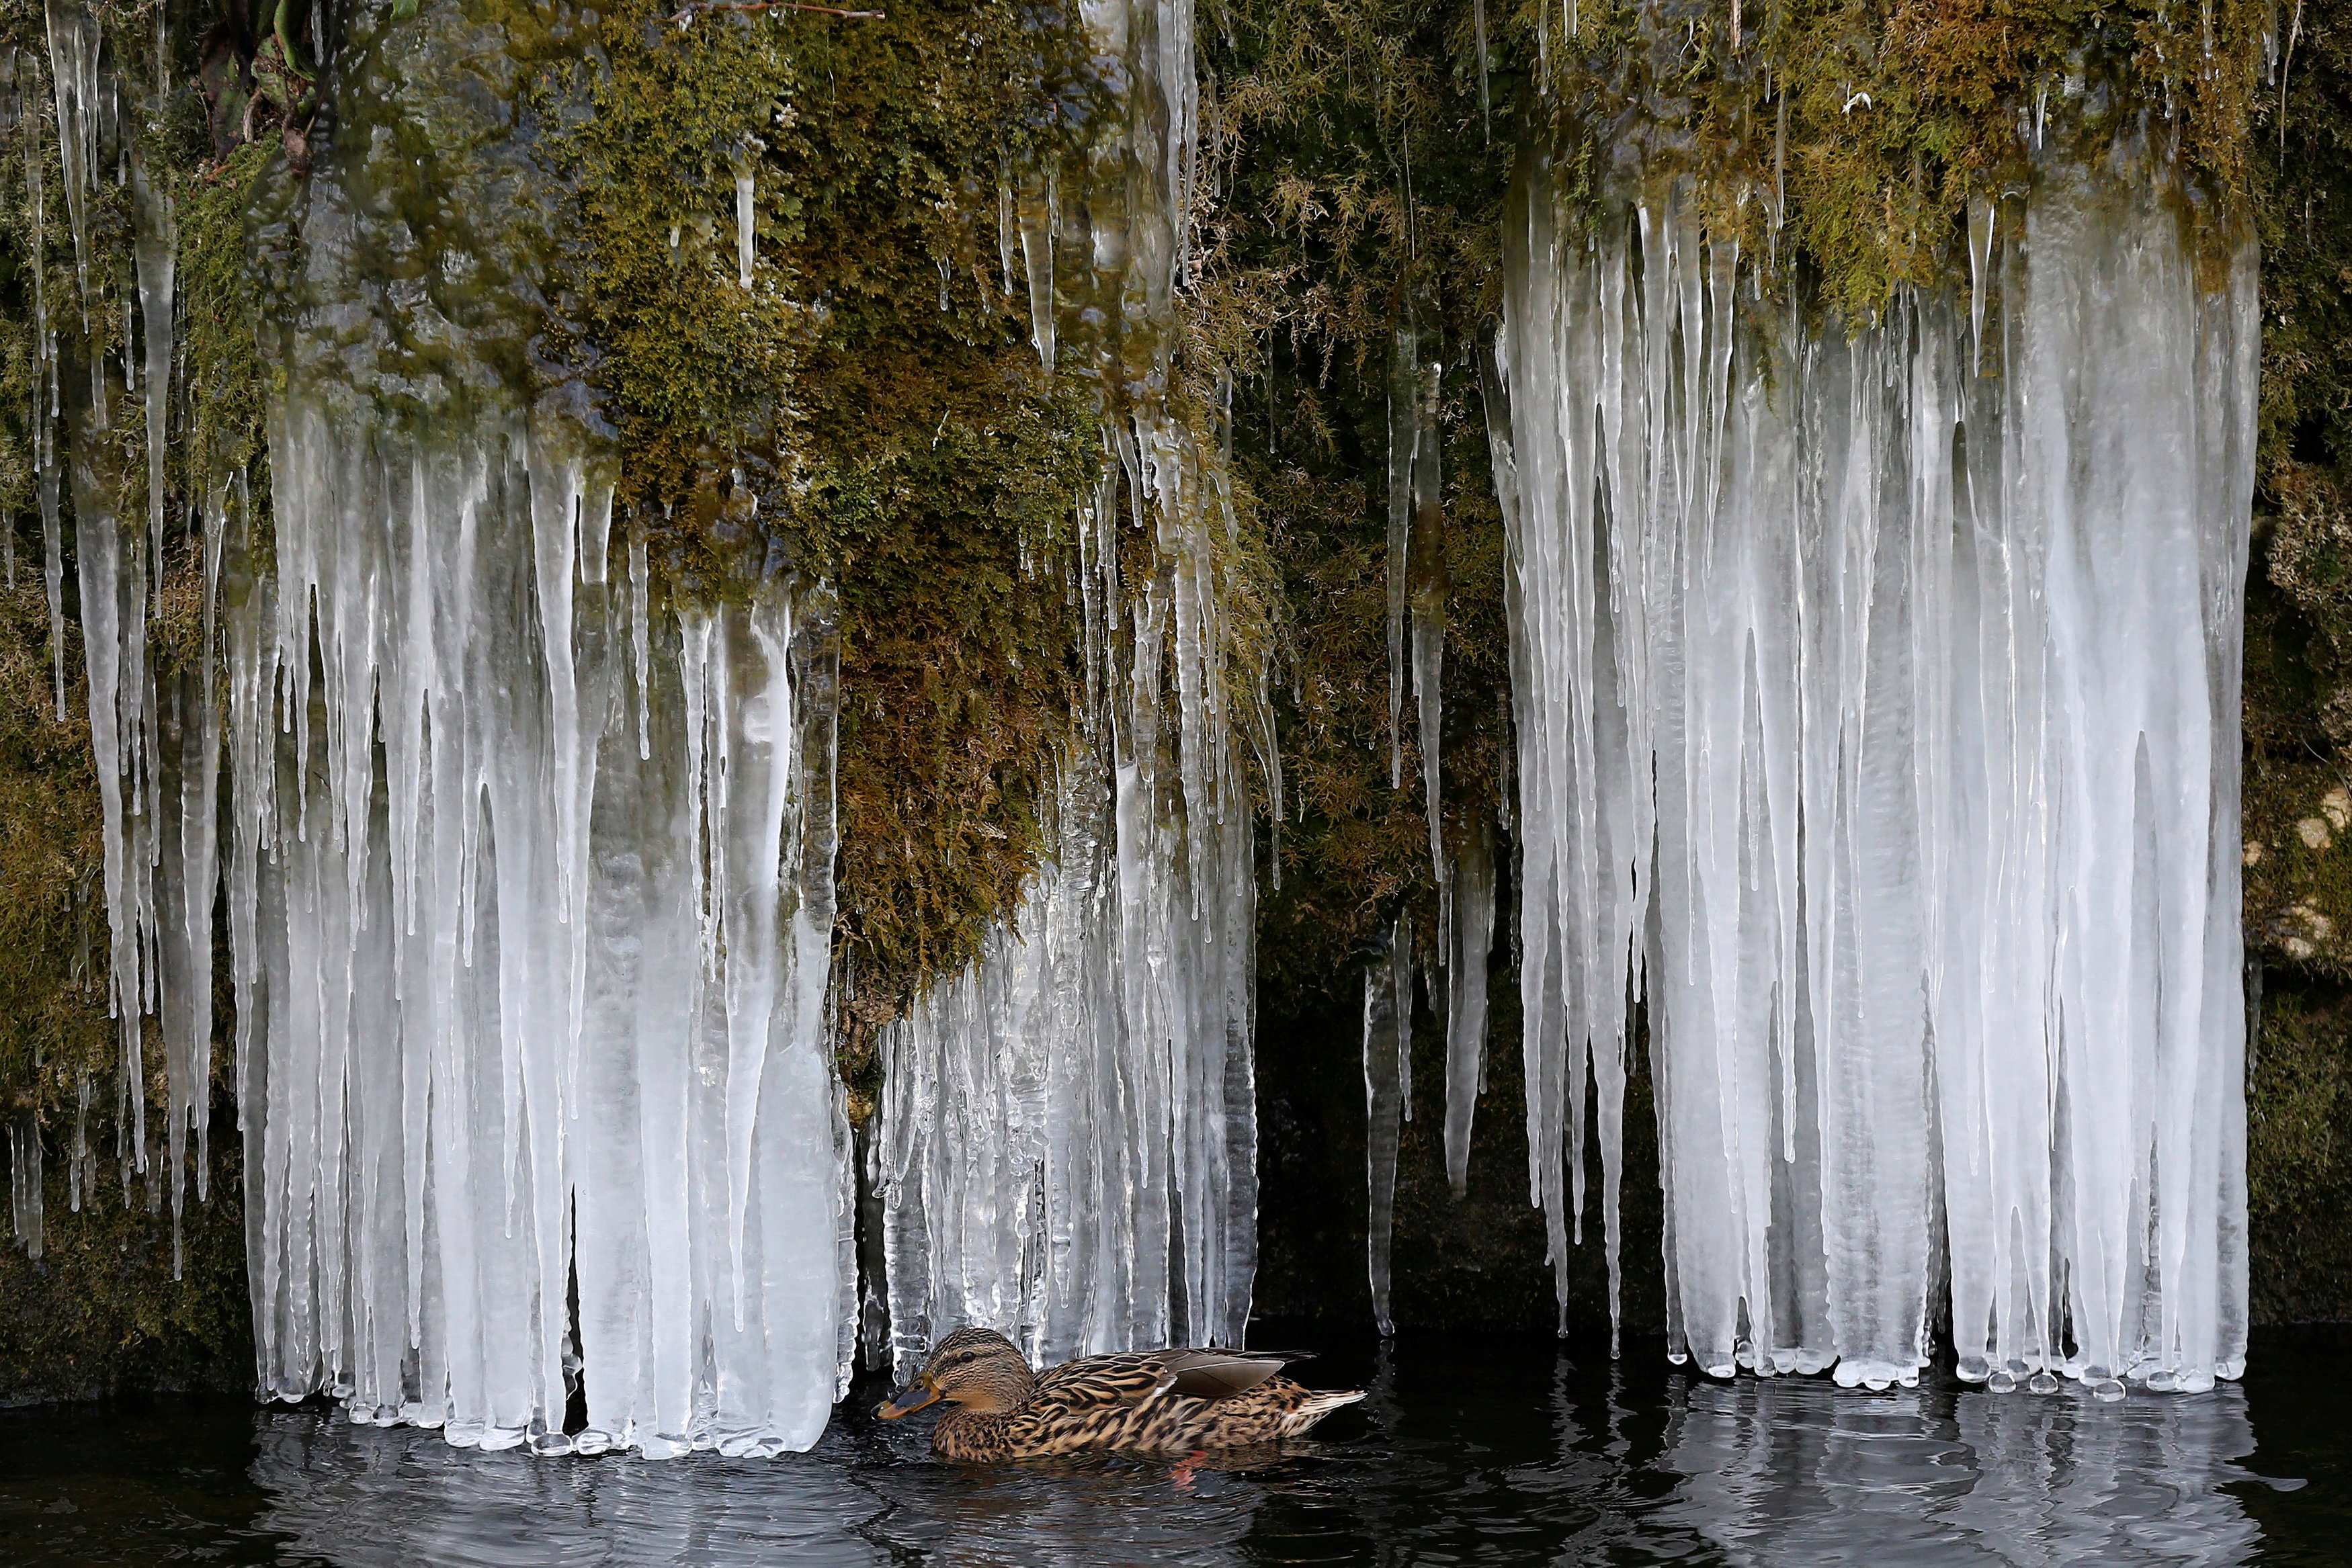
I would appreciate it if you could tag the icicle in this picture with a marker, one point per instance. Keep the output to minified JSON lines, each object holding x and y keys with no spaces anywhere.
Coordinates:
{"x":1037,"y":254}
{"x":1004,"y":231}
{"x":24,"y":1180}
{"x":746,"y":236}
{"x":1478,"y":22}
{"x":1934,"y":617}
{"x":1428,"y":589}
{"x":112,"y":562}
{"x":1465,"y":1017}
{"x":74,"y":42}
{"x":1387,"y":1042}
{"x":45,"y":411}
{"x":1404,"y":441}
{"x":153,"y":248}
{"x":639,"y":636}
{"x":1400,"y":985}
{"x":1980,"y":231}
{"x":82,"y":1166}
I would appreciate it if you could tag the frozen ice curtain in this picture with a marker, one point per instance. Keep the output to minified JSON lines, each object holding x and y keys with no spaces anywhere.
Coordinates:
{"x":530,"y":882}
{"x":1876,"y":687}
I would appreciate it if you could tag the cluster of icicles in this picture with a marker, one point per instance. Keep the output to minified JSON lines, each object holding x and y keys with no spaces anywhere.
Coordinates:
{"x":1877,"y":710}
{"x":529,"y":883}
{"x":1068,"y":1144}
{"x":1068,"y":1147}
{"x":530,"y":891}
{"x":161,"y":865}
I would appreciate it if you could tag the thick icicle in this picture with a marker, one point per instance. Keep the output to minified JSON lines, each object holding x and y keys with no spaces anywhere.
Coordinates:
{"x":1465,"y":1015}
{"x":1858,"y":727}
{"x":74,"y":46}
{"x":1037,"y":257}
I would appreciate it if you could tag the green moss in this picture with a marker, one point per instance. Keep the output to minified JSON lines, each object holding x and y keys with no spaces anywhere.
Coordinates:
{"x":227,"y":383}
{"x":873,"y":397}
{"x":2299,"y":621}
{"x":1844,"y":139}
{"x":2299,"y":1155}
{"x":101,"y":1307}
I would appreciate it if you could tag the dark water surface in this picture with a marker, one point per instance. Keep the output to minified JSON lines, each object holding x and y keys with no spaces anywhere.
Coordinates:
{"x":1466,"y":1452}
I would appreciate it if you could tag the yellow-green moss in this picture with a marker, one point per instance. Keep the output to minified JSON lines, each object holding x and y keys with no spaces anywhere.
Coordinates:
{"x":2299,"y":1158}
{"x":1844,"y":139}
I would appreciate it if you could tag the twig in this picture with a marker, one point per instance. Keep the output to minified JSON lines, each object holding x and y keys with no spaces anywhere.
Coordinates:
{"x":686,"y":13}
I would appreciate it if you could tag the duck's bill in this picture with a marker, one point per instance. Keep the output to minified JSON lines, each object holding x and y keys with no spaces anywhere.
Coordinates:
{"x":908,"y":1402}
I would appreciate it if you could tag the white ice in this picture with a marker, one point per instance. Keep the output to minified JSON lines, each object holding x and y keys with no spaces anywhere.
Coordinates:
{"x":1878,"y":720}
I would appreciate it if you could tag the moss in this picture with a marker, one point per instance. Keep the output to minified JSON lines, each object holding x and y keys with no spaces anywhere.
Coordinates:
{"x":874,"y":392}
{"x":2299,"y":623}
{"x":2299,"y":1155}
{"x":2298,"y":690}
{"x":226,"y":383}
{"x":1843,"y":140}
{"x":101,"y":1307}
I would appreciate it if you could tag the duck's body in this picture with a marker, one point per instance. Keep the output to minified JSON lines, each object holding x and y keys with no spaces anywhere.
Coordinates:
{"x":1154,"y":1401}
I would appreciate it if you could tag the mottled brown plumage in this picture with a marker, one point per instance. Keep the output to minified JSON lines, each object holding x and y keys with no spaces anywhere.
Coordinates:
{"x":1150,"y":1401}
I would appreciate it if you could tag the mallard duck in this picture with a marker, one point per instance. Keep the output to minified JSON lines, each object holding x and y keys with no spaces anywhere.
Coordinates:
{"x":1153,"y":1401}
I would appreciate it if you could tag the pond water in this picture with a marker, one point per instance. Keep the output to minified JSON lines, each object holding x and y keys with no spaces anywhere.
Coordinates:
{"x":1466,"y":1452}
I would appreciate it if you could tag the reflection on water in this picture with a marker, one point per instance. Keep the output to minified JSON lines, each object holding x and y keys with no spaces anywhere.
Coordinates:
{"x":372,"y":1499}
{"x":1463,"y":1454}
{"x":1795,"y":1471}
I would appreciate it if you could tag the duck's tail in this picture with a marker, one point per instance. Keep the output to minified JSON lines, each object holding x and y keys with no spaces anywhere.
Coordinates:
{"x":1318,"y":1404}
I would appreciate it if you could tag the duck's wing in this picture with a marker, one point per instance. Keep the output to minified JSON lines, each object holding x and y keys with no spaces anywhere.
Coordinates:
{"x":1097,"y":1380}
{"x":1137,"y":1376}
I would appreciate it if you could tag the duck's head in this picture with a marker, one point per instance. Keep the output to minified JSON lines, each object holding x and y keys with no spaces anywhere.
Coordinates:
{"x":977,"y":1369}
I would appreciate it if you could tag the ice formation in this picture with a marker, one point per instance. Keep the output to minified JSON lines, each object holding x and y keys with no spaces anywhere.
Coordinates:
{"x":1471,"y":944}
{"x":529,"y":871}
{"x":1388,"y":1099}
{"x":1878,"y":720}
{"x":1067,"y":1145}
{"x":532,"y":884}
{"x":141,"y":722}
{"x":25,"y":1182}
{"x":1067,"y":1148}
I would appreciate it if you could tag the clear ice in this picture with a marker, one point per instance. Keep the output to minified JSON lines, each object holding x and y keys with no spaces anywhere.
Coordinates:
{"x":1878,"y":720}
{"x":1388,"y":1098}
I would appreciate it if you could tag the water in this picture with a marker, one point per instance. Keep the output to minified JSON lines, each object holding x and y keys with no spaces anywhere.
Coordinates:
{"x":1466,"y":1452}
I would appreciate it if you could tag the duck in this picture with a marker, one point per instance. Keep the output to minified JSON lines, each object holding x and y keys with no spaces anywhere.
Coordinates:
{"x":1142,"y":1401}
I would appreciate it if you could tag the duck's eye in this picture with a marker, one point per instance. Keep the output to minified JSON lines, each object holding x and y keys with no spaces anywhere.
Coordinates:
{"x":969,"y":1355}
